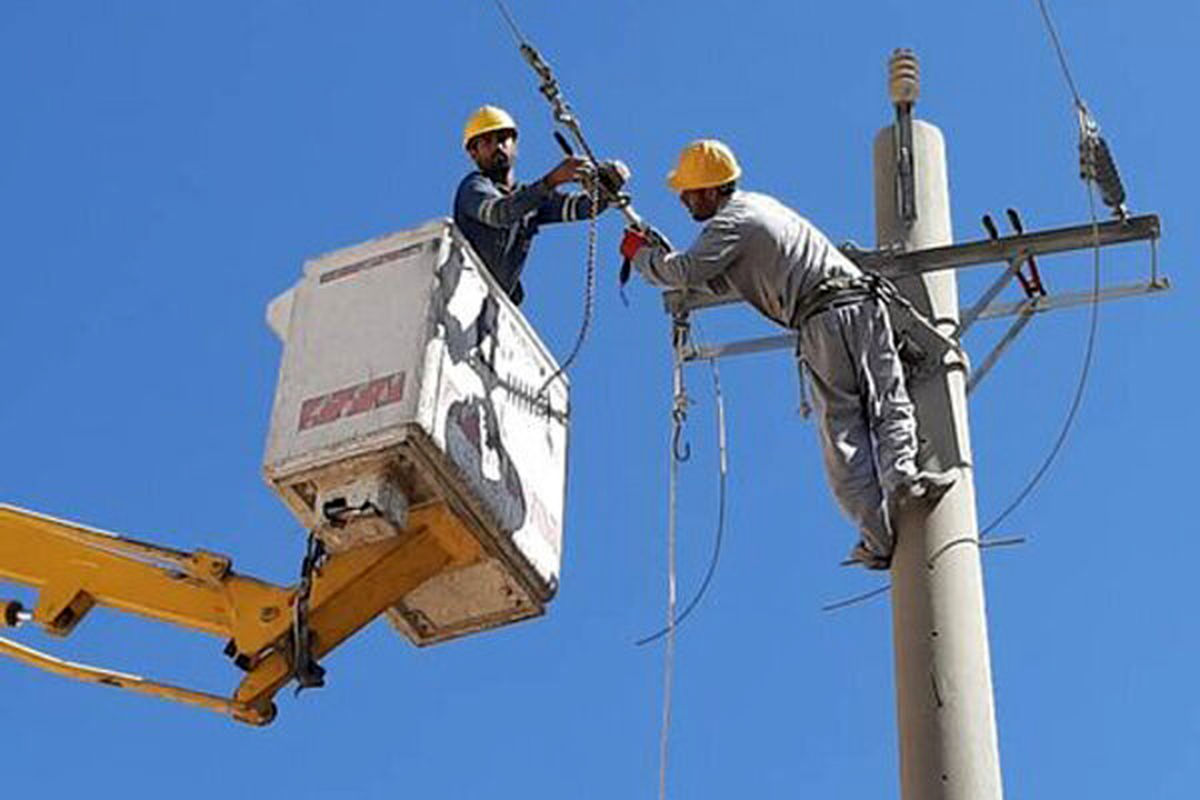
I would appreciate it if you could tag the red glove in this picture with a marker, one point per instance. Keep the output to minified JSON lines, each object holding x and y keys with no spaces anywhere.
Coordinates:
{"x":633,"y":241}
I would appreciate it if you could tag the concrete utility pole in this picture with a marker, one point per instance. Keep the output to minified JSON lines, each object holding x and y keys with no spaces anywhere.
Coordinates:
{"x":946,"y":713}
{"x":947,"y":719}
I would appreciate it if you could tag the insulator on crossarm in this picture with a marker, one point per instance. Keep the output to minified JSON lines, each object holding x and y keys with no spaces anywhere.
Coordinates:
{"x":1096,"y":164}
{"x":904,"y":77}
{"x":1112,"y":192}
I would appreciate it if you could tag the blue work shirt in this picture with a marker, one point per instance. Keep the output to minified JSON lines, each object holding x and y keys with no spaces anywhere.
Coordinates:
{"x":500,"y":222}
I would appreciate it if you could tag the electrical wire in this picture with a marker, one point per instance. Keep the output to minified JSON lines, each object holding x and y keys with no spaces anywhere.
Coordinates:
{"x":856,"y":599}
{"x":1062,"y":57}
{"x":1089,"y":350}
{"x":512,"y":23}
{"x":1077,"y":400}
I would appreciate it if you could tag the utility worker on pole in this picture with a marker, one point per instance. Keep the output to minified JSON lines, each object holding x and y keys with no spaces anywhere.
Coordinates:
{"x":782,"y":265}
{"x":500,"y":217}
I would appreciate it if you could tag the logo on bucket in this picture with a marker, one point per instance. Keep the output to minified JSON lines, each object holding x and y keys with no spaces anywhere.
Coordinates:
{"x":357,"y":399}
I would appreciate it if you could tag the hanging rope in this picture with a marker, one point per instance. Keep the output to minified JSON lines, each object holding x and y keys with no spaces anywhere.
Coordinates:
{"x":722,"y":495}
{"x":679,"y":404}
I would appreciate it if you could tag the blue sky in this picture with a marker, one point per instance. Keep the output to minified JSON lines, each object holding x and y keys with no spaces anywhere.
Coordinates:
{"x":169,"y":166}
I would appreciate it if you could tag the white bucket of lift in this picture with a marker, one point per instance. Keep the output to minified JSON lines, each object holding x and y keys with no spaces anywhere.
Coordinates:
{"x":408,"y":377}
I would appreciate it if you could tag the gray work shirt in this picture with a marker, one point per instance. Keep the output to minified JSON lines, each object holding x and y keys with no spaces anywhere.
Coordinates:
{"x":759,"y":248}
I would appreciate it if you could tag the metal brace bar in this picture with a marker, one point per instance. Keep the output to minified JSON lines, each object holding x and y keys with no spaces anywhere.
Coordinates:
{"x":1026,"y":314}
{"x":981,"y":305}
{"x":1072,"y":299}
{"x":1035,"y":306}
{"x":970,"y":254}
{"x":744,"y":347}
{"x":906,"y":184}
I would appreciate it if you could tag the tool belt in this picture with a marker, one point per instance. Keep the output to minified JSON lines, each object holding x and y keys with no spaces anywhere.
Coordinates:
{"x":834,"y":293}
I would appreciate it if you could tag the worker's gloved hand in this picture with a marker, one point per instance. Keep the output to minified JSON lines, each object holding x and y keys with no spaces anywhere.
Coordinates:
{"x":571,"y":169}
{"x":633,"y":241}
{"x":614,"y":175}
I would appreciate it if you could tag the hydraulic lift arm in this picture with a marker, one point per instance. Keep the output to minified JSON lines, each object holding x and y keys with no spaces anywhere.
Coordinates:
{"x":76,"y":568}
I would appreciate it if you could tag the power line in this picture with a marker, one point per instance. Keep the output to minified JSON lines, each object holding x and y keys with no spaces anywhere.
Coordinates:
{"x":1058,"y":49}
{"x":512,"y":23}
{"x":1089,"y":350}
{"x":1084,"y":371}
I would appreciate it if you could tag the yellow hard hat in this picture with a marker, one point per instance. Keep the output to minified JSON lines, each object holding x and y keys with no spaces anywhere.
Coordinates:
{"x":702,"y":164}
{"x":487,"y":119}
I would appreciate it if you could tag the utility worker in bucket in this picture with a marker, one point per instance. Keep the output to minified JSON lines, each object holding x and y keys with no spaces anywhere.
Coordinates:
{"x":500,"y":217}
{"x":755,"y":246}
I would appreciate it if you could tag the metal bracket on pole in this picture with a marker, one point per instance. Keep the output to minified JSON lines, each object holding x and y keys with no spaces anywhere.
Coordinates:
{"x":1031,"y":285}
{"x":904,"y":85}
{"x":906,"y":187}
{"x":787,"y":341}
{"x":897,"y":264}
{"x":1081,"y":298}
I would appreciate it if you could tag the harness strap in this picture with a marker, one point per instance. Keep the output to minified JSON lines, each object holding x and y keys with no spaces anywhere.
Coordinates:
{"x":833,"y":293}
{"x":845,"y":290}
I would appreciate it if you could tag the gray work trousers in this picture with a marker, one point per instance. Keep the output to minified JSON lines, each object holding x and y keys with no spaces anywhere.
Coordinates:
{"x":864,"y":415}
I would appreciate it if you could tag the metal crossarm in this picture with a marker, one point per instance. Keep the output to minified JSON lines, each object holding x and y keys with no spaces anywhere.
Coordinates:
{"x":1005,"y":249}
{"x":1015,"y":250}
{"x":993,"y":311}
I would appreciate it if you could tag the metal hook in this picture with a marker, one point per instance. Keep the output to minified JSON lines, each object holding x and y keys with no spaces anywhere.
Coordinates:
{"x":684,"y":452}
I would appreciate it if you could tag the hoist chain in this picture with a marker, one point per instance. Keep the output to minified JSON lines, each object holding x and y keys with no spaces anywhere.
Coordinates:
{"x":589,"y":290}
{"x":308,"y":673}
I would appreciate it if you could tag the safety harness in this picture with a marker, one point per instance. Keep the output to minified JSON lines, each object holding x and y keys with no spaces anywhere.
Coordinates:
{"x":842,"y":291}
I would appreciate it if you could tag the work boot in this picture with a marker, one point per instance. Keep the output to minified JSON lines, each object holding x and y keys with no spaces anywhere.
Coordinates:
{"x":864,"y":556}
{"x":925,"y":487}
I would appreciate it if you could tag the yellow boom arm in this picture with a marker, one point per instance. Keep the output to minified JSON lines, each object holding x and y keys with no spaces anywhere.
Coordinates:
{"x":76,"y":568}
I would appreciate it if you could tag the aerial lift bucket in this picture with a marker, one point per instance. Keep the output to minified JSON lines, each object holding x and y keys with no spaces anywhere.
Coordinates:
{"x":408,"y":378}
